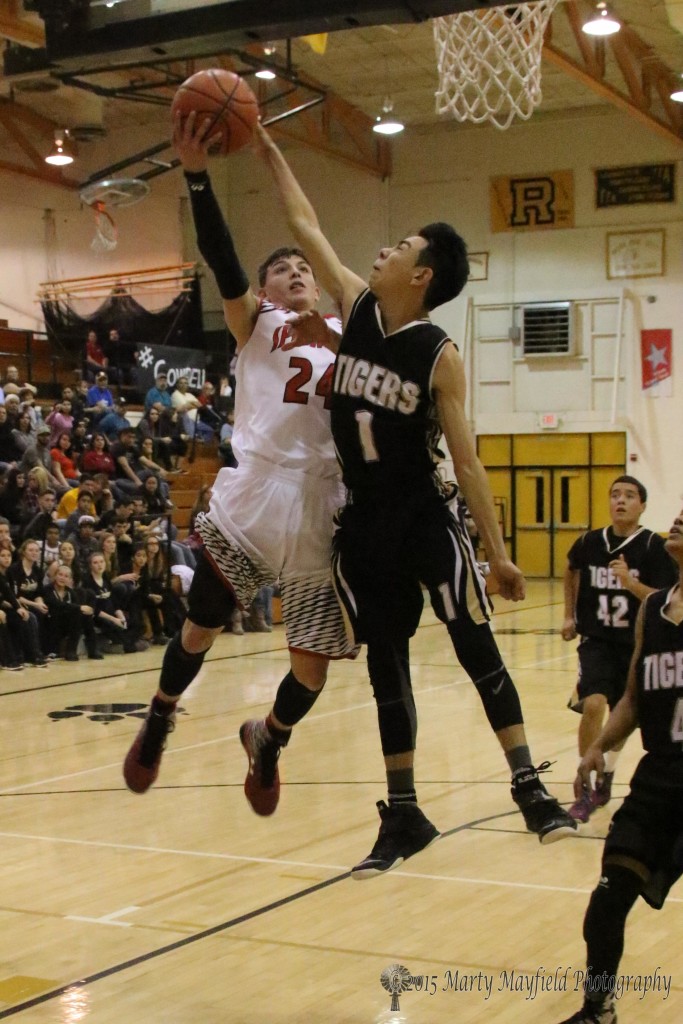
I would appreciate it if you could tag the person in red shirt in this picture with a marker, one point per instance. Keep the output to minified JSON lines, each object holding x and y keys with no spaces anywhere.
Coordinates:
{"x":63,"y":466}
{"x":95,"y":359}
{"x":97,"y":459}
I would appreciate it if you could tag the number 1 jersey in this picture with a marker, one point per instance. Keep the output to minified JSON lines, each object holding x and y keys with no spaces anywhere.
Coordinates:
{"x":384,"y":420}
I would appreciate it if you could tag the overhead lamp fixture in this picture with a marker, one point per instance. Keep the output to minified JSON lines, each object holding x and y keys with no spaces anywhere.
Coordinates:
{"x":677,"y":94}
{"x":386,"y":123}
{"x":603,"y":22}
{"x":266,"y":74}
{"x":61,"y":153}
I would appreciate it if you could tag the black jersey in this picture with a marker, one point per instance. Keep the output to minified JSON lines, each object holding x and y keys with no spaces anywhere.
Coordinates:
{"x":384,"y":419}
{"x":659,"y":679}
{"x":604,"y":609}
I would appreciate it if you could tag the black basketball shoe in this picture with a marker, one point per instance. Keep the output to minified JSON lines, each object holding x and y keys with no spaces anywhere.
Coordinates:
{"x":542,"y":813}
{"x":594,"y":1013}
{"x":403,"y":832}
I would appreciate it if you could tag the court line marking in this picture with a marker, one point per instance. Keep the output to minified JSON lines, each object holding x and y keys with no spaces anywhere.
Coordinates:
{"x":309,"y":720}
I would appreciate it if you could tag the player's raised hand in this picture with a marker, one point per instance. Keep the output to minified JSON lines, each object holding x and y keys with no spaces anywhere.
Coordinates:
{"x":310,"y":328}
{"x":192,"y":140}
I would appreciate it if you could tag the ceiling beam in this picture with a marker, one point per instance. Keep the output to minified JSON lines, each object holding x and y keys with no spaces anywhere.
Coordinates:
{"x":646,"y":78}
{"x":17,"y":27}
{"x":27,"y":130}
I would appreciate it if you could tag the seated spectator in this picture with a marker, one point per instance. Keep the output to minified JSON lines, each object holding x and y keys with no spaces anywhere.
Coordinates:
{"x":49,"y":550}
{"x":95,"y":359}
{"x":27,"y":583}
{"x":22,"y":431}
{"x":63,"y":466}
{"x":186,"y":405}
{"x":36,"y":528}
{"x":102,"y":494}
{"x":70,"y":618}
{"x":22,"y":624}
{"x":225,"y":441}
{"x":79,"y":401}
{"x":10,"y":451}
{"x":13,"y":385}
{"x":12,"y":505}
{"x":37,"y":482}
{"x":97,"y":459}
{"x":13,"y":406}
{"x":85,"y":542}
{"x":99,"y":399}
{"x":122,"y":355}
{"x":80,"y":439}
{"x":84,"y":507}
{"x":60,"y":421}
{"x":161,"y":594}
{"x":67,"y":557}
{"x":27,"y":404}
{"x":112,"y":423}
{"x":38,"y":454}
{"x":110,"y":618}
{"x":162,"y":428}
{"x":6,"y":534}
{"x":144,"y":464}
{"x":154,"y":503}
{"x":125,"y":456}
{"x":158,"y":396}
{"x":208,"y":415}
{"x":68,"y":502}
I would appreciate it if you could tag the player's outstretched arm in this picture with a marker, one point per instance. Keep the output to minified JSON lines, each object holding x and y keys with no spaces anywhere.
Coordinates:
{"x":450,"y":390}
{"x":571,"y":586}
{"x":191,"y":140}
{"x":341,"y":284}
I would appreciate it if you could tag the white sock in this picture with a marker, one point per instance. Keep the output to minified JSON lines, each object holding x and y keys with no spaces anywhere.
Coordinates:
{"x":611,"y":758}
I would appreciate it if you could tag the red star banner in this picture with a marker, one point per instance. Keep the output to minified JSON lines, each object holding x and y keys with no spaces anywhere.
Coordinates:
{"x":655,"y":355}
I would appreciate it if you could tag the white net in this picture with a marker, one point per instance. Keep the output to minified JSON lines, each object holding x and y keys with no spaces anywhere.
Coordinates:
{"x":489,"y":62}
{"x":106,"y":233}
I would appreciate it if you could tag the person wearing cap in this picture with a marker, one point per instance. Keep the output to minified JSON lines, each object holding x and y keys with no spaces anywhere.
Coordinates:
{"x":99,"y":399}
{"x":84,"y":508}
{"x":38,"y":454}
{"x":85,"y":542}
{"x":113,"y":422}
{"x":158,"y":397}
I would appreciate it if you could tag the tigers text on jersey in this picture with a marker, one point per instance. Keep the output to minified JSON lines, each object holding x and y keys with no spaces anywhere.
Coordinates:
{"x":271,"y":388}
{"x":659,"y":679}
{"x":384,"y":420}
{"x":604,"y":609}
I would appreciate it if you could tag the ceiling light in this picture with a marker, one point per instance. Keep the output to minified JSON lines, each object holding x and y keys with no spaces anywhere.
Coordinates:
{"x":677,"y":94}
{"x":61,"y":153}
{"x":603,"y":22}
{"x":266,"y":73}
{"x":386,"y":123}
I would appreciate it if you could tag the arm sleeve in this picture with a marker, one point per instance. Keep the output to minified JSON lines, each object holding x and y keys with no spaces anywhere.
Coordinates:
{"x":214,"y":239}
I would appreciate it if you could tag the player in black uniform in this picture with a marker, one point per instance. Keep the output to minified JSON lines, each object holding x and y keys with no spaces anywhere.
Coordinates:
{"x":643,"y":852}
{"x":608,"y":574}
{"x":399,"y":384}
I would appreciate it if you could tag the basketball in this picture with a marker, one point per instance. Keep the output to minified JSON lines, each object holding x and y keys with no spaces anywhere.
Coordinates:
{"x":225,"y":98}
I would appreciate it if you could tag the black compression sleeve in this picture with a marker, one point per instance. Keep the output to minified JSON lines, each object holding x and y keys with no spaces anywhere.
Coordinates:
{"x":214,"y":239}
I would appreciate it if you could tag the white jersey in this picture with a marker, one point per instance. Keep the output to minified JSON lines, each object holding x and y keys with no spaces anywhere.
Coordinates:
{"x":282,"y":398}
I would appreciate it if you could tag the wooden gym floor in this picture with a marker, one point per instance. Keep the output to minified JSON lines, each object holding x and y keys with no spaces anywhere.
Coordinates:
{"x":183,"y":907}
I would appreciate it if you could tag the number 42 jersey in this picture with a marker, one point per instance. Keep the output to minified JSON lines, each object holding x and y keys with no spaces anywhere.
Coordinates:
{"x":605,"y":610}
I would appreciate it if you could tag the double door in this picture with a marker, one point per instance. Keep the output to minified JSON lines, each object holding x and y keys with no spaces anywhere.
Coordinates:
{"x":552,"y":507}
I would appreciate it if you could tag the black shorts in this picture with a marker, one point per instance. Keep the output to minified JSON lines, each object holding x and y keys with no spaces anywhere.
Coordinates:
{"x":648,"y":826}
{"x":210,"y":601}
{"x":385,"y":552}
{"x":603,"y":668}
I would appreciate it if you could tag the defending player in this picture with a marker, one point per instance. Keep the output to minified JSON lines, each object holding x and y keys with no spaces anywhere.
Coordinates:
{"x":271,"y":517}
{"x":643,"y":852}
{"x":608,"y":574}
{"x":399,"y":382}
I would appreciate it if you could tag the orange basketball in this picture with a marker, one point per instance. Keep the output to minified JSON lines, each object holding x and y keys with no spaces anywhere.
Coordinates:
{"x":225,"y":98}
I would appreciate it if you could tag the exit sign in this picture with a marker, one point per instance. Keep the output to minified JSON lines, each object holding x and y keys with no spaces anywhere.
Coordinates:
{"x":549,"y":421}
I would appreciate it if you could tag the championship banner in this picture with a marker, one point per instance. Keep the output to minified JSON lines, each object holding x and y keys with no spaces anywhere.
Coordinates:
{"x":174,"y":362}
{"x":533,"y":202}
{"x":656,"y":360}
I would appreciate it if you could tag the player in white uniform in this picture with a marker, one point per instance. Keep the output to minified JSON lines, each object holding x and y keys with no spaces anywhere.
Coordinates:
{"x":271,"y":517}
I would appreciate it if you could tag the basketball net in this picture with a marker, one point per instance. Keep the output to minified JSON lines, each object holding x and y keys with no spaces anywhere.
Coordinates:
{"x":489,"y":62}
{"x":106,"y":233}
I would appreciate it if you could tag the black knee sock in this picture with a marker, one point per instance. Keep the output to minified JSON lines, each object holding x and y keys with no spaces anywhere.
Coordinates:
{"x":293,"y":701}
{"x":603,"y":928}
{"x":179,"y":668}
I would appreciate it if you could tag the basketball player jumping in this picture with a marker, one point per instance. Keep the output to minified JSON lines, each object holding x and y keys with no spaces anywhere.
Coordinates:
{"x":398,"y":384}
{"x":271,"y":518}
